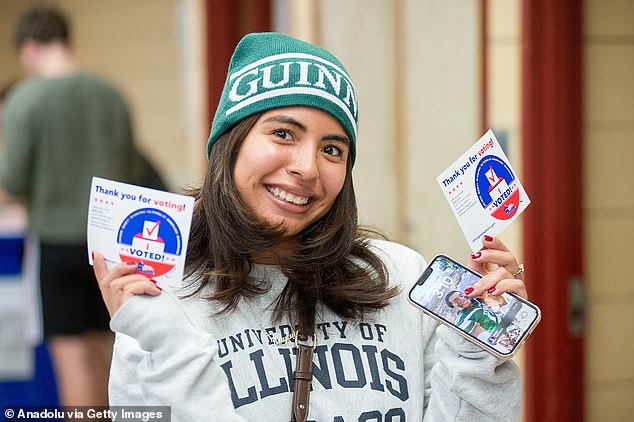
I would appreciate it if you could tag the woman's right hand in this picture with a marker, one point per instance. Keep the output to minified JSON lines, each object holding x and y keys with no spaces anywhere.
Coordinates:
{"x":121,"y":283}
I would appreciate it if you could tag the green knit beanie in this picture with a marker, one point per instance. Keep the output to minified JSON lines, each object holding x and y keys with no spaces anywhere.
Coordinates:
{"x":271,"y":70}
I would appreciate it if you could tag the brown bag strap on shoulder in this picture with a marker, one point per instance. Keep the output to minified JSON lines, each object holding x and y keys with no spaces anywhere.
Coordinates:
{"x":302,"y":376}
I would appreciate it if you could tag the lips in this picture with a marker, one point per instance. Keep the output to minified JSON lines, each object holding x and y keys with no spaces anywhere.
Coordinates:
{"x":287,"y":196}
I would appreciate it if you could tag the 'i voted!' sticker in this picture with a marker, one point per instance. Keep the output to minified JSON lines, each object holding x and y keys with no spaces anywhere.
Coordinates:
{"x":151,"y":238}
{"x":496,"y":188}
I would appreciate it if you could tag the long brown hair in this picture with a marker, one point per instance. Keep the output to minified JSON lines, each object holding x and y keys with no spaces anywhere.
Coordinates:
{"x":332,"y":263}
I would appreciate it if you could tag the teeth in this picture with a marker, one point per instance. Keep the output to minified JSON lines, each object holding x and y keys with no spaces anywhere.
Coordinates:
{"x":289,"y":197}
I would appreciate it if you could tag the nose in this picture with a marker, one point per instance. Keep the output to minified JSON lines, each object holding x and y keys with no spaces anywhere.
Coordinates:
{"x":304,"y":164}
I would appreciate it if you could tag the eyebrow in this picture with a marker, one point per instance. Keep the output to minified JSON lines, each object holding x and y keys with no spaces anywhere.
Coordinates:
{"x":283,"y":118}
{"x":337,"y":138}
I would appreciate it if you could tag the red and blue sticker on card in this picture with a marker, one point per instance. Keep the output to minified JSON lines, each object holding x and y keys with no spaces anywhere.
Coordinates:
{"x":496,"y":187}
{"x":151,"y":238}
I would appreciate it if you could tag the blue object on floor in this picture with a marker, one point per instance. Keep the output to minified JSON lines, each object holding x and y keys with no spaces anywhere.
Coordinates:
{"x":39,"y":391}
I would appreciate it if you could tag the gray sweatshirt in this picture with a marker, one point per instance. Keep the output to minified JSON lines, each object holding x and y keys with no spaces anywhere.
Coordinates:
{"x":396,"y":365}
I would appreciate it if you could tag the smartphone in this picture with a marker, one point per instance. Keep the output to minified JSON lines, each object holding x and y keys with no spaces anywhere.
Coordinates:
{"x":498,"y":324}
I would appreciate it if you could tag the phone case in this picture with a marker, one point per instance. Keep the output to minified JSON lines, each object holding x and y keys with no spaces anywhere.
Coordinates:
{"x":499,"y":324}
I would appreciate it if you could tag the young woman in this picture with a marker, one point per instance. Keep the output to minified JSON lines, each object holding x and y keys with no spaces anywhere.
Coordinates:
{"x":275,"y":247}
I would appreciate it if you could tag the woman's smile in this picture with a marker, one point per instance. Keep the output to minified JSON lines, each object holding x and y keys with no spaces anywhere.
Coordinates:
{"x":283,"y":195}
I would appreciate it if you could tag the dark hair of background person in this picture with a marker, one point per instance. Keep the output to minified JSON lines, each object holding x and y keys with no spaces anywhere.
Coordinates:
{"x":448,"y":295}
{"x":42,"y":24}
{"x":333,"y":264}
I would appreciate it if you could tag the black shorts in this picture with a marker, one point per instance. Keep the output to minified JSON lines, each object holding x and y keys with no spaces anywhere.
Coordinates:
{"x":71,"y":300}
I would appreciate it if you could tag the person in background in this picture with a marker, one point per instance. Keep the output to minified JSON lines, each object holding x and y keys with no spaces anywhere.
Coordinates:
{"x":61,"y":127}
{"x":279,"y":267}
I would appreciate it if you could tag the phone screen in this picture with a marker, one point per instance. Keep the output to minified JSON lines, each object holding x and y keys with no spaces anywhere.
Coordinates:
{"x":499,"y":322}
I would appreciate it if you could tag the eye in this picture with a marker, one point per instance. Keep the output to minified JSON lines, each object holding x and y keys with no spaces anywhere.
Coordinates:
{"x":282,"y":134}
{"x":332,"y":150}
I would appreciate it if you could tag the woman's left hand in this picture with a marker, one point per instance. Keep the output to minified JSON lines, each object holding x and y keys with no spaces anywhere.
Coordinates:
{"x":500,"y":279}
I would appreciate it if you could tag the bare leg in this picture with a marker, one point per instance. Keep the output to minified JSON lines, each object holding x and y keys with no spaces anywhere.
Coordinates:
{"x":100,"y":346}
{"x":81,"y":365}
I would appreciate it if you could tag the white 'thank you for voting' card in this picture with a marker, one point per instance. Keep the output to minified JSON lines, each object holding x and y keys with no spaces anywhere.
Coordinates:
{"x":483,"y":191}
{"x":128,"y":223}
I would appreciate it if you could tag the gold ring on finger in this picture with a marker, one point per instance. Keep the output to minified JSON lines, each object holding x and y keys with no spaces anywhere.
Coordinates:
{"x":519,"y":271}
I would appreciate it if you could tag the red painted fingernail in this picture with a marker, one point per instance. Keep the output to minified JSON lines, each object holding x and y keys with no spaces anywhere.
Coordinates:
{"x":488,"y":238}
{"x":476,"y":255}
{"x":491,"y":290}
{"x":131,"y":263}
{"x":152,"y":280}
{"x":93,"y":255}
{"x":468,"y":290}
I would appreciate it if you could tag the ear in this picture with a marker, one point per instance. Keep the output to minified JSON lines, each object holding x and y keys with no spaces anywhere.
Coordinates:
{"x":29,"y":54}
{"x":28,"y":45}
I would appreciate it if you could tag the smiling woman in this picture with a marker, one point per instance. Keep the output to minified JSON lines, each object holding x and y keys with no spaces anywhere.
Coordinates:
{"x":276,"y":256}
